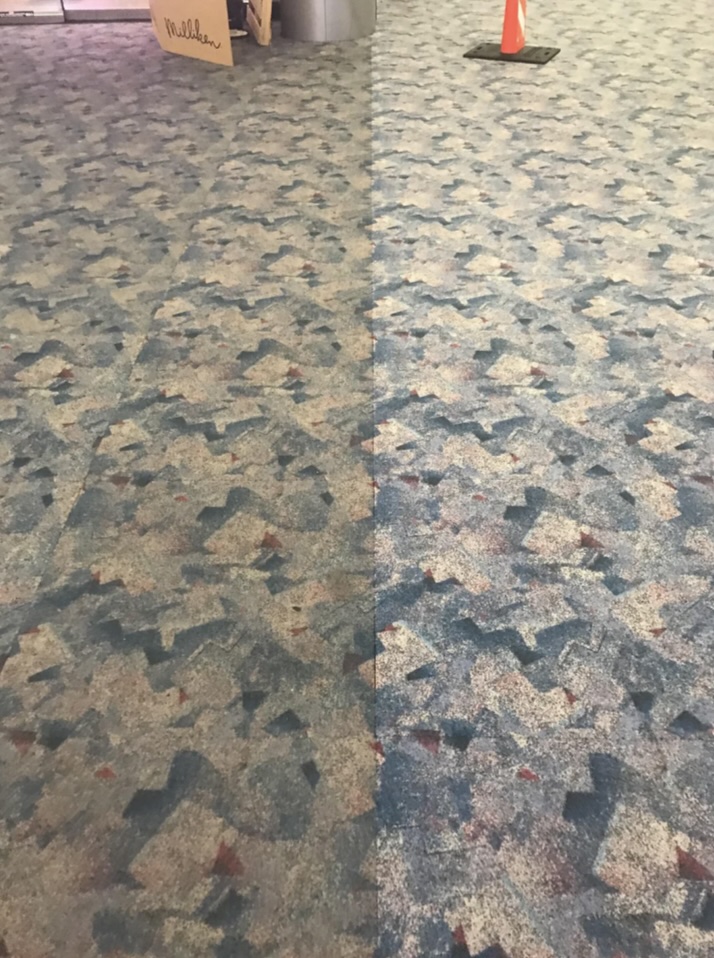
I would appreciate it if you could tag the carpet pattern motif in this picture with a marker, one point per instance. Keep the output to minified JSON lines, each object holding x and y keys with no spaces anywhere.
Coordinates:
{"x":544,"y":298}
{"x":187,"y":607}
{"x":357,"y":447}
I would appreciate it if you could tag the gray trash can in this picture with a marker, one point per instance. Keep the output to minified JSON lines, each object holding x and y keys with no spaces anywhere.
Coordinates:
{"x":327,"y":21}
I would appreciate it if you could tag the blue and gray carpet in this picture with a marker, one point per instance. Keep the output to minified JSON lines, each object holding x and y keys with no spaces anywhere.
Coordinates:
{"x":357,"y":510}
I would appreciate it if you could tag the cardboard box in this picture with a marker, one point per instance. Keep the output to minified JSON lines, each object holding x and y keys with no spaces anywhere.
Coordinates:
{"x":199,"y":28}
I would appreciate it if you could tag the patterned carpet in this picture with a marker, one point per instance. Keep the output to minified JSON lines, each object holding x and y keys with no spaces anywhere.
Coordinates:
{"x":186,"y":415}
{"x":544,"y":315}
{"x":354,"y":350}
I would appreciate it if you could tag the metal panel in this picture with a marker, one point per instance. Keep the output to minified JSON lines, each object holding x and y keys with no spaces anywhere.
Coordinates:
{"x":13,"y":12}
{"x":327,"y":21}
{"x":94,"y":10}
{"x":303,"y":20}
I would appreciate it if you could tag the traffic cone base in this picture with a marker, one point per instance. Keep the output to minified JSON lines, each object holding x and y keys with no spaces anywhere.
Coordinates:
{"x":492,"y":51}
{"x":513,"y":41}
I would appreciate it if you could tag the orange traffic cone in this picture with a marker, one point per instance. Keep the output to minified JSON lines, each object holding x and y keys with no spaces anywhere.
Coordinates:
{"x":513,"y":42}
{"x":514,"y":27}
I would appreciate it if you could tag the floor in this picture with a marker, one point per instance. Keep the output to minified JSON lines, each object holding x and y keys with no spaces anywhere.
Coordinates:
{"x":357,"y":435}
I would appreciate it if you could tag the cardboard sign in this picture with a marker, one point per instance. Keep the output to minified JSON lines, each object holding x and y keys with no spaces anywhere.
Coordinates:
{"x":260,"y":14}
{"x":193,"y":28}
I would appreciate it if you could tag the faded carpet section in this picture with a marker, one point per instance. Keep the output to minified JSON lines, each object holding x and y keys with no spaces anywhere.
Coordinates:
{"x":544,"y":269}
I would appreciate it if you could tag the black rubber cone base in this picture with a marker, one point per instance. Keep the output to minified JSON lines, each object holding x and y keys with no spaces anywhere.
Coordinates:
{"x":492,"y":51}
